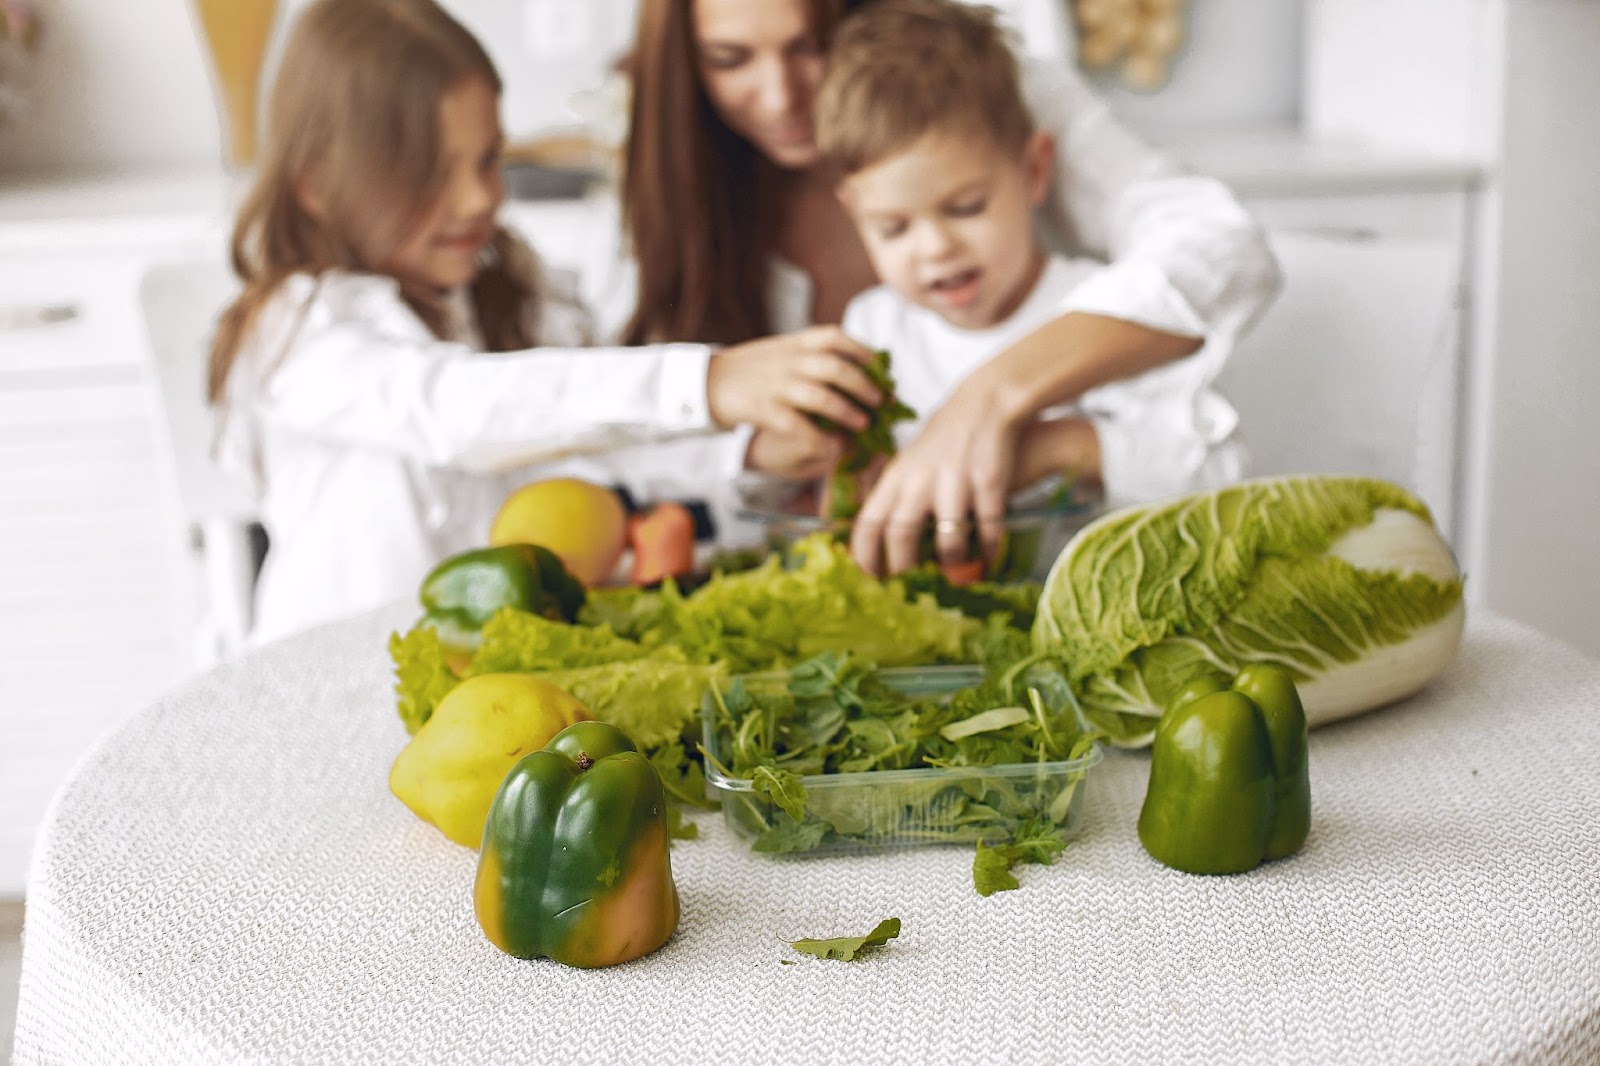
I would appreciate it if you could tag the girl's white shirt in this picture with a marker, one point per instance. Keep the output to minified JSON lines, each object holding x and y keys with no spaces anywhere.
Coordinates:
{"x":377,"y":449}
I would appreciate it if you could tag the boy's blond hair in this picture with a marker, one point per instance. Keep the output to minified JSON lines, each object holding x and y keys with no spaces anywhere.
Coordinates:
{"x":900,"y":69}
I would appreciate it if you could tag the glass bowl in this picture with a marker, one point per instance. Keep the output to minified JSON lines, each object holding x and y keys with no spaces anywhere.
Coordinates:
{"x":1039,"y":522}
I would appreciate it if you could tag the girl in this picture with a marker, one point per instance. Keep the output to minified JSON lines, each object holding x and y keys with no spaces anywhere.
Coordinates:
{"x":374,"y":271}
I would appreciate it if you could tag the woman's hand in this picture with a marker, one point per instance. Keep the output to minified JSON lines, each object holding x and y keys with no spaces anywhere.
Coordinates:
{"x":961,"y":466}
{"x":958,"y":467}
{"x":775,"y":382}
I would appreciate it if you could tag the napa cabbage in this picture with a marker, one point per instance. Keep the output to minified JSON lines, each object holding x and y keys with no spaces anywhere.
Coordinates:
{"x":1345,"y":581}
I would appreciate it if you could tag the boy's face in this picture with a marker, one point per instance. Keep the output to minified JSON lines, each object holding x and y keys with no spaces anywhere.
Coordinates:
{"x":948,"y":223}
{"x":443,"y":251}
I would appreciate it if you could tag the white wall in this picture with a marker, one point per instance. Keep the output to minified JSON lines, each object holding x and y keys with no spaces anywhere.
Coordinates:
{"x":1534,"y":492}
{"x":1241,"y":65}
{"x":126,"y":84}
{"x":120,"y":84}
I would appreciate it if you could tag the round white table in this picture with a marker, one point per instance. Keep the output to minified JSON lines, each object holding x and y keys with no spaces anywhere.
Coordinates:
{"x":227,"y":879}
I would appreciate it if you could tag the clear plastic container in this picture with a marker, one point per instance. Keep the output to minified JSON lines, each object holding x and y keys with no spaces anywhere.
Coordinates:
{"x":1039,"y":522}
{"x":898,"y":808}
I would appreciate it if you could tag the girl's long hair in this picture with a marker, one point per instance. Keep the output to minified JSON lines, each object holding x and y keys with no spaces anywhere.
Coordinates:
{"x":353,"y":126}
{"x":698,"y":200}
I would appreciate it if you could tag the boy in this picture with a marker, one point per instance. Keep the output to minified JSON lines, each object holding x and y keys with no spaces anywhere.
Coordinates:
{"x":941,"y":168}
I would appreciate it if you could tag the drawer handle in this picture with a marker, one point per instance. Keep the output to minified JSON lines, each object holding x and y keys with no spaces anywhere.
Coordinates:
{"x":32,"y":316}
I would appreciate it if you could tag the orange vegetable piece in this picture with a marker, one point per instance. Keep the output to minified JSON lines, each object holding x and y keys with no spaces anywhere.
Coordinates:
{"x":965,"y":572}
{"x":662,"y":539}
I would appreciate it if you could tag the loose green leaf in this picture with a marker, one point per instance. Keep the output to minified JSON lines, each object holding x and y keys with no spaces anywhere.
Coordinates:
{"x":846,"y":948}
{"x":991,"y":870}
{"x":1036,"y":840}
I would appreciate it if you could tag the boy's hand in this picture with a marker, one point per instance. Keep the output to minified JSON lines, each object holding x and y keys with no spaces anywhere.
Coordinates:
{"x":775,"y":382}
{"x":804,"y":455}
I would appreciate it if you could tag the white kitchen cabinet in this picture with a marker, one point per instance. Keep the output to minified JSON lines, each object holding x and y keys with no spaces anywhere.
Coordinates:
{"x":96,"y":582}
{"x":1356,"y":367}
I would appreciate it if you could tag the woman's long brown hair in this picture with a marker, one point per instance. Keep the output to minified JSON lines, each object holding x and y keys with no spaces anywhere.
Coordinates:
{"x":353,"y":127}
{"x":697,"y":199}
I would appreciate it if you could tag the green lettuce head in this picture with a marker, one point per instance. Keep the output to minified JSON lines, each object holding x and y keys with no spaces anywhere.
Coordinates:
{"x":1345,"y":581}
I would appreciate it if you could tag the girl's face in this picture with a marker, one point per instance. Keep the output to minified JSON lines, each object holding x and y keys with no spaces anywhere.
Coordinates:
{"x":444,"y":250}
{"x":760,"y":62}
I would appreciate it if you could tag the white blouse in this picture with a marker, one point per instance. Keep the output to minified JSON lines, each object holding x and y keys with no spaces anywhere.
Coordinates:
{"x":377,"y":450}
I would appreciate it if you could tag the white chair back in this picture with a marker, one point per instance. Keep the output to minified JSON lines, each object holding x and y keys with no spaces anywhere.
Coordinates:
{"x":181,"y":301}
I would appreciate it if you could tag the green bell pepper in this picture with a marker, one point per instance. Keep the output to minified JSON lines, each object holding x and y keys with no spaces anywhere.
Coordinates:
{"x":1229,"y":780}
{"x":575,"y":864}
{"x":463,"y":592}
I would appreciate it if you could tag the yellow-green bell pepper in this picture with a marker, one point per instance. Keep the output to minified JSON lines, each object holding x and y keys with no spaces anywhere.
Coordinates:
{"x":1229,"y":779}
{"x":575,"y":864}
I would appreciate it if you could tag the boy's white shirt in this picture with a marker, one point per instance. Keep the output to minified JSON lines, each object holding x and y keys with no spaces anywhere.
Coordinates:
{"x":1161,"y":433}
{"x":377,"y":449}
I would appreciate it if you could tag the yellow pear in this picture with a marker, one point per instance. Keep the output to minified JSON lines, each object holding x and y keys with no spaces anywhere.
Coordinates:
{"x":449,"y":772}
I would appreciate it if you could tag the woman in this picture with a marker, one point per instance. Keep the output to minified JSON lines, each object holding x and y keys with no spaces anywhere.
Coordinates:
{"x":737,"y":234}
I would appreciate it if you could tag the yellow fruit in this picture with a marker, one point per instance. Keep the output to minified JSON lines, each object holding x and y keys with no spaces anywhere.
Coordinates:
{"x":583,"y":523}
{"x":452,"y":768}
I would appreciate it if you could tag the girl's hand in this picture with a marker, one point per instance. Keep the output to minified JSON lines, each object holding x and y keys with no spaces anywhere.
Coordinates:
{"x":773,"y":383}
{"x":805,"y":455}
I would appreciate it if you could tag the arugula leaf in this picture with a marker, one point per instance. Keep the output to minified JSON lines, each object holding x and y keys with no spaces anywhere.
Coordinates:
{"x":864,"y":445}
{"x":1018,"y":601}
{"x":846,"y":948}
{"x":991,"y":870}
{"x":681,"y":776}
{"x":787,"y":836}
{"x":1036,"y":840}
{"x":783,"y":788}
{"x":837,"y":715}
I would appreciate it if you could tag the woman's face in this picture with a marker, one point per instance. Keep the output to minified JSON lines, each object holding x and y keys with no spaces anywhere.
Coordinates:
{"x":760,"y":62}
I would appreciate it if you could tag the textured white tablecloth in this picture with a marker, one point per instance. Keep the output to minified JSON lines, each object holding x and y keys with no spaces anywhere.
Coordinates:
{"x":227,"y":879}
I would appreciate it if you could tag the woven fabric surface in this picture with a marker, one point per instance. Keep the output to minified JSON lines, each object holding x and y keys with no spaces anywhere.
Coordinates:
{"x":226,"y":878}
